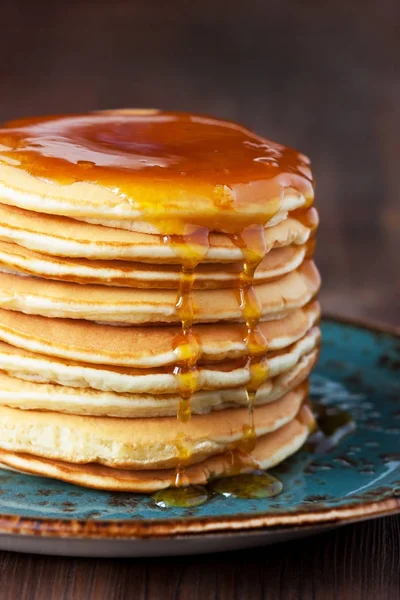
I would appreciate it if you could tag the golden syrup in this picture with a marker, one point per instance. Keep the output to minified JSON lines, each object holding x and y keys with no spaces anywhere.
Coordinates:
{"x":184,"y":453}
{"x":309,"y":218}
{"x":192,"y":249}
{"x":253,"y":245}
{"x":255,"y":485}
{"x":173,"y":169}
{"x":251,"y":485}
{"x":183,"y":497}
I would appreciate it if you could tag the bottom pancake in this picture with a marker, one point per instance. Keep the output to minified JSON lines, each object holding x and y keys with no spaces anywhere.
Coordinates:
{"x":270,"y":450}
{"x":143,"y":444}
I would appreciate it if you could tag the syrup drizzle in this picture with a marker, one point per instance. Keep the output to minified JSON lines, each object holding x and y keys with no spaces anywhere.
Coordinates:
{"x":192,"y":249}
{"x":253,"y":244}
{"x":251,"y":240}
{"x":309,"y":218}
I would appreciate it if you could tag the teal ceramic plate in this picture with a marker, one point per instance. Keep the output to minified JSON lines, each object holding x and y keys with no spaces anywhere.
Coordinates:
{"x":358,"y":479}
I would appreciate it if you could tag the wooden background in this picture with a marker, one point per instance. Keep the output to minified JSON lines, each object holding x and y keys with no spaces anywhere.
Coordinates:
{"x":321,"y":76}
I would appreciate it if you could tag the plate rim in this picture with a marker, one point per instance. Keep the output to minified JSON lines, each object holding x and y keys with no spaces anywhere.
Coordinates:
{"x":161,"y":528}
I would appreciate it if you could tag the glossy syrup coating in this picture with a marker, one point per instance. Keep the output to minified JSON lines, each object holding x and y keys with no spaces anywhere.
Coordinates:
{"x":211,"y":172}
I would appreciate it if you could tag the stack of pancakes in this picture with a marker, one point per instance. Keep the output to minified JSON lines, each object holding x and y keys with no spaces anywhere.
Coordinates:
{"x":158,"y":312}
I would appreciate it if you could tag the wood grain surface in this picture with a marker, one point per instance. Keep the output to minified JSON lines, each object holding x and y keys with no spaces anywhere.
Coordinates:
{"x":321,"y":76}
{"x":357,"y":562}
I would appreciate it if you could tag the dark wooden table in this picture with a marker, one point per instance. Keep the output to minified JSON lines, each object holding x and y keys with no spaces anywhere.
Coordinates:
{"x":357,"y":562}
{"x":321,"y":76}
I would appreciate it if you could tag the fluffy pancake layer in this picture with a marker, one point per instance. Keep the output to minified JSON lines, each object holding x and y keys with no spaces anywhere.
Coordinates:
{"x":20,"y":260}
{"x":46,"y":369}
{"x":32,"y":295}
{"x":138,"y":443}
{"x":26,"y":394}
{"x":270,"y":450}
{"x":144,"y":347}
{"x":60,"y":236}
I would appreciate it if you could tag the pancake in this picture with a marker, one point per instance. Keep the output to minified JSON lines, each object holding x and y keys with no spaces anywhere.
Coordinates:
{"x":20,"y":260}
{"x":158,"y":313}
{"x":46,"y":369}
{"x":270,"y":450}
{"x":32,"y":295}
{"x":29,"y":395}
{"x":156,"y":168}
{"x":138,"y":443}
{"x":144,"y":347}
{"x":60,"y":236}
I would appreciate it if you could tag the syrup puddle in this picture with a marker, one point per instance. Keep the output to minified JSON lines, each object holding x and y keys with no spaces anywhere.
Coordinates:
{"x":333,"y":424}
{"x":250,"y":485}
{"x":184,"y":497}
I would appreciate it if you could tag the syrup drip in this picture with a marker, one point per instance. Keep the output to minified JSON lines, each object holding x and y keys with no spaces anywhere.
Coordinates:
{"x":184,"y":453}
{"x":192,"y":249}
{"x":186,"y":345}
{"x":309,"y":218}
{"x":253,"y":245}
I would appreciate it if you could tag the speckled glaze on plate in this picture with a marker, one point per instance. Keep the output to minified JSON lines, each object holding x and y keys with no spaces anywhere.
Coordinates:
{"x":359,"y":479}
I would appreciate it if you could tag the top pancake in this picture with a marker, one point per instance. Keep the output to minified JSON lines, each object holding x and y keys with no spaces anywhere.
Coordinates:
{"x":155,"y":168}
{"x":270,"y":449}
